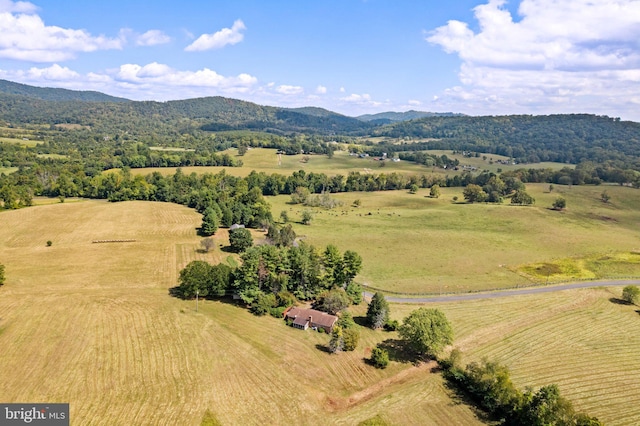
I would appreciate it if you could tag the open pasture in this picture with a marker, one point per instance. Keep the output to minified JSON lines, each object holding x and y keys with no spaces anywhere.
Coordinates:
{"x":585,"y":341}
{"x":411,"y":243}
{"x":266,"y":160}
{"x":20,"y":141}
{"x":93,"y":325}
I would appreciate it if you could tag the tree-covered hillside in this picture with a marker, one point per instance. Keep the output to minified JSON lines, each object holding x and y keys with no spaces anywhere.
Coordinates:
{"x":54,"y":94}
{"x":392,"y":117}
{"x":571,"y":138}
{"x":20,"y":104}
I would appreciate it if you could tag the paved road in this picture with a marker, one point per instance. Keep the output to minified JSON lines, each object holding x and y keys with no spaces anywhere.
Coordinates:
{"x":505,"y":293}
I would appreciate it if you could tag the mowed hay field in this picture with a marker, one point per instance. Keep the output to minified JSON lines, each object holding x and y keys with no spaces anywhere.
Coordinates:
{"x":93,"y":325}
{"x":585,"y":341}
{"x":411,"y":243}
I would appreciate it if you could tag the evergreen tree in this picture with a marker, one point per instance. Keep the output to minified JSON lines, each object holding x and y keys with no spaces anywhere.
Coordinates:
{"x":378,"y":311}
{"x":210,"y":222}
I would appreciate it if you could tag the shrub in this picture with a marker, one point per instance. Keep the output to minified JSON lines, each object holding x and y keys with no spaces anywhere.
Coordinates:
{"x":391,"y":325}
{"x":49,"y":243}
{"x":380,"y":357}
{"x":631,"y":294}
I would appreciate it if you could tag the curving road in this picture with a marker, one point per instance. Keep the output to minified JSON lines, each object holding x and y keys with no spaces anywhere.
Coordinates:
{"x":505,"y":293}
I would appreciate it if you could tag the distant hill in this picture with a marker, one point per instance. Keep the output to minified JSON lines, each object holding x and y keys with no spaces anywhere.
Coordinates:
{"x":55,"y":94}
{"x":564,"y":138}
{"x":392,"y":117}
{"x":21,"y":103}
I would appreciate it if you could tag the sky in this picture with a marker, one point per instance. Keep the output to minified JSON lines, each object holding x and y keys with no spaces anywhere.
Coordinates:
{"x":487,"y":57}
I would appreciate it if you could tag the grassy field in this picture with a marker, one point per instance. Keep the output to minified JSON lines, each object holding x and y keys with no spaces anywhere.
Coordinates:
{"x":586,"y":341}
{"x":266,"y":160}
{"x":93,"y":325}
{"x":411,"y":243}
{"x":20,"y":141}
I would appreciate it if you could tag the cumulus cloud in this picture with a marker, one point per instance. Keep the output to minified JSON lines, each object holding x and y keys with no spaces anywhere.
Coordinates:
{"x":578,"y":55}
{"x":364,"y":99}
{"x":321,"y":90}
{"x":152,"y":38}
{"x":151,"y":81}
{"x":219,"y":39}
{"x":17,"y":7}
{"x":161,"y":74}
{"x":26,"y":37}
{"x":289,"y":90}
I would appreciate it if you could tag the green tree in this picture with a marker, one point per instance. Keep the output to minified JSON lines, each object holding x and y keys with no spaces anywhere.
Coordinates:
{"x":351,"y":337}
{"x":605,"y":197}
{"x":427,"y":331}
{"x":284,"y":216}
{"x":474,"y":194}
{"x":559,"y":204}
{"x":378,"y":311}
{"x":210,"y":222}
{"x":194,"y":278}
{"x":413,"y":188}
{"x":379,"y":357}
{"x":2,"y":277}
{"x":334,"y":301}
{"x":352,"y":265}
{"x":240,"y":239}
{"x":350,"y":331}
{"x":219,"y":280}
{"x":631,"y":294}
{"x":521,"y":197}
{"x":306,"y":217}
{"x":333,"y":266}
{"x":434,"y":192}
{"x":546,"y":407}
{"x":336,"y":344}
{"x":354,"y":291}
{"x":263,"y":304}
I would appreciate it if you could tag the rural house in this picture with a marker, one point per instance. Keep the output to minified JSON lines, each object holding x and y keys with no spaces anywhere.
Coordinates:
{"x":304,"y":318}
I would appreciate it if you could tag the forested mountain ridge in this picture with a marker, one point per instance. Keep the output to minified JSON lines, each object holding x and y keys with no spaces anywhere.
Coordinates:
{"x":566,"y":138}
{"x":55,"y":94}
{"x":392,"y":117}
{"x":21,"y":104}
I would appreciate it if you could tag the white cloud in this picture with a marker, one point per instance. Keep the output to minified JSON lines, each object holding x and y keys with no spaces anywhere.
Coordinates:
{"x":576,"y":56}
{"x":152,"y":81}
{"x":219,"y":39}
{"x":152,"y":38}
{"x":24,"y":36}
{"x":17,"y":7}
{"x":289,"y":90}
{"x":163,"y":75}
{"x":321,"y":90}
{"x":414,"y":102}
{"x":363,"y":100}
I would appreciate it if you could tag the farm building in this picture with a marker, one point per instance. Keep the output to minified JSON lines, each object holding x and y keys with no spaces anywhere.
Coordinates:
{"x":304,"y":318}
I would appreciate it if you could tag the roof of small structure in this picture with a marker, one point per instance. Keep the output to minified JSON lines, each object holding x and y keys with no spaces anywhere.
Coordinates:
{"x":317,"y":318}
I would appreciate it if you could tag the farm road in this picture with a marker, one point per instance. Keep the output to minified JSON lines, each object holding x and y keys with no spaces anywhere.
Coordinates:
{"x":505,"y":293}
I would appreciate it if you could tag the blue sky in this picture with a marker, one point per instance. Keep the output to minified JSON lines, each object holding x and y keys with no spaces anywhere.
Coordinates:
{"x":485,"y":57}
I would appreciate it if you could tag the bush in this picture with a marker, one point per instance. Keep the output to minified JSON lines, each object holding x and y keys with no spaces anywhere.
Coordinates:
{"x":49,"y":243}
{"x":631,"y":294}
{"x":380,"y":357}
{"x":391,"y":325}
{"x":263,"y":304}
{"x":351,"y":338}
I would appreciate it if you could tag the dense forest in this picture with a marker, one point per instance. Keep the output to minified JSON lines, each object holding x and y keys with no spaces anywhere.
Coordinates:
{"x":571,"y":138}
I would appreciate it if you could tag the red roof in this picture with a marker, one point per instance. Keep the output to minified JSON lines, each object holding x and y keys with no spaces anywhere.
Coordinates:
{"x":315,"y":318}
